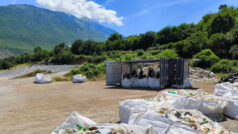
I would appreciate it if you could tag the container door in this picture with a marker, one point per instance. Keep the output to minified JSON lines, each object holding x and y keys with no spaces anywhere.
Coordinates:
{"x":113,"y":73}
{"x":163,"y":72}
{"x":179,"y":72}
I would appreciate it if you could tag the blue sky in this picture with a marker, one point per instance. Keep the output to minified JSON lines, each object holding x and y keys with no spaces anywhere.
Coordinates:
{"x":140,"y":16}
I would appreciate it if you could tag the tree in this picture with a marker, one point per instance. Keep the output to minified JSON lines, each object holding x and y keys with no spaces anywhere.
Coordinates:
{"x":194,"y":44}
{"x":37,"y":49}
{"x":234,"y":51}
{"x":41,"y":55}
{"x":222,"y":7}
{"x":147,"y":40}
{"x":115,"y":36}
{"x":132,"y":42}
{"x":59,"y":48}
{"x":88,"y":47}
{"x":222,"y":23}
{"x":220,"y":44}
{"x":75,"y":46}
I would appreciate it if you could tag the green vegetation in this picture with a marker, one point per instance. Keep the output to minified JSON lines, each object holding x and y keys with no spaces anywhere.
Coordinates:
{"x":225,"y":66}
{"x":207,"y":59}
{"x":34,"y":73}
{"x":89,"y":70}
{"x":215,"y":37}
{"x":61,"y":79}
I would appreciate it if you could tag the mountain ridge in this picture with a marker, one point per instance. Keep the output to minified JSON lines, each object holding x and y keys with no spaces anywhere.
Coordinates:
{"x":23,"y":27}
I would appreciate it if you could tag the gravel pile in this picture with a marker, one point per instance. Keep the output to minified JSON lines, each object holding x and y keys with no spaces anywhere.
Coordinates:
{"x":232,"y":78}
{"x":198,"y":74}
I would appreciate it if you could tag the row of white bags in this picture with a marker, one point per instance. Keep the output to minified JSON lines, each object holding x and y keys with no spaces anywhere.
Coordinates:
{"x":229,"y":94}
{"x":150,"y":83}
{"x":42,"y":79}
{"x":77,"y":124}
{"x":148,"y":122}
{"x":141,"y":83}
{"x":180,"y":99}
{"x":143,"y":113}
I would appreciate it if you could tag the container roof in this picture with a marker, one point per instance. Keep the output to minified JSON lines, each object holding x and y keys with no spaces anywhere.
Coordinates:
{"x":148,"y":60}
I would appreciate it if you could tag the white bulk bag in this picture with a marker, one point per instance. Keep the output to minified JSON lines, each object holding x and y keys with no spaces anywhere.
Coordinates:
{"x":126,"y":83}
{"x":160,"y":124}
{"x":122,"y":129}
{"x":41,"y":79}
{"x":141,"y":83}
{"x":154,"y":83}
{"x":127,"y":107}
{"x":230,"y":94}
{"x":199,"y":103}
{"x":74,"y":120}
{"x":231,"y":109}
{"x":79,"y":78}
{"x":225,"y":89}
{"x":187,"y":83}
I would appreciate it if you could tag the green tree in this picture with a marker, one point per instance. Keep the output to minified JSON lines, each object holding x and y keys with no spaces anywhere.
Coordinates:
{"x":115,"y":36}
{"x":234,"y":51}
{"x":222,"y":23}
{"x":59,"y":48}
{"x":147,"y":40}
{"x":75,"y":46}
{"x":37,"y":49}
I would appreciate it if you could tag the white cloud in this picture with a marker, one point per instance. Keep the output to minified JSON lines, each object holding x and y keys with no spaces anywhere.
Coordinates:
{"x":83,"y":8}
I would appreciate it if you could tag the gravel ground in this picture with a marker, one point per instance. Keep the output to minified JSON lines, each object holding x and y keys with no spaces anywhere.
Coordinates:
{"x":21,"y":71}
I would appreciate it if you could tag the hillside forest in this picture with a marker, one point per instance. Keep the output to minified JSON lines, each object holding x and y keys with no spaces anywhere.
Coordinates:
{"x":214,"y":40}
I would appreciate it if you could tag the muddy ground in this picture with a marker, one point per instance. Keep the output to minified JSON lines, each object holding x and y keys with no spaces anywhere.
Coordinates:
{"x":27,"y":108}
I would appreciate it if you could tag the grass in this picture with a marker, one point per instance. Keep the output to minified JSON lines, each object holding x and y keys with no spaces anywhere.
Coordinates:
{"x":62,"y":78}
{"x":220,"y":75}
{"x":34,"y":73}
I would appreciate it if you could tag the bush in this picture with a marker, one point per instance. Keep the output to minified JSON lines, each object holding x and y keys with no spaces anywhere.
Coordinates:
{"x":89,"y":70}
{"x":6,"y":65}
{"x":168,"y":53}
{"x":224,"y":66}
{"x":207,"y":59}
{"x":140,"y":52}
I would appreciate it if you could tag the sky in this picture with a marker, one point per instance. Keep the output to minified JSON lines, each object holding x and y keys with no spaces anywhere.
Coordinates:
{"x":130,"y":17}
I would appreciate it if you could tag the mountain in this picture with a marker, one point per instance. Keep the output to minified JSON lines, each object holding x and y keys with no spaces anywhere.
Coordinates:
{"x":23,"y":27}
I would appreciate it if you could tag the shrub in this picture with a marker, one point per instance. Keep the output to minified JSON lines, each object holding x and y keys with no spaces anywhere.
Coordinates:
{"x":6,"y":65}
{"x":168,"y":53}
{"x":224,"y":66}
{"x":140,"y":52}
{"x":89,"y":70}
{"x":207,"y":59}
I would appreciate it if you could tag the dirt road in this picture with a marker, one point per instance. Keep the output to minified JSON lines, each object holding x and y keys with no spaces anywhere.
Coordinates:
{"x":27,"y":108}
